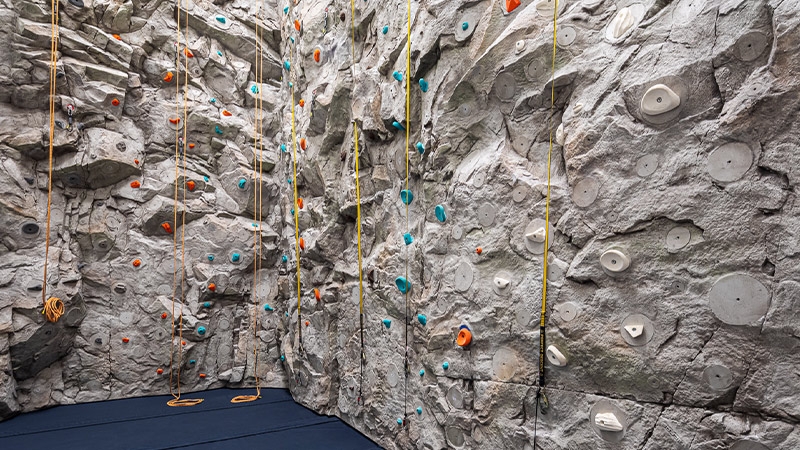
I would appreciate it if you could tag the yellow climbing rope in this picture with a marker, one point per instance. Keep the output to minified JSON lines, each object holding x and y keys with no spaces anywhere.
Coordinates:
{"x":53,"y":309}
{"x":53,"y":62}
{"x":294,"y":205}
{"x":257,"y":213}
{"x":177,"y":400}
{"x":358,"y":212}
{"x":408,"y":202}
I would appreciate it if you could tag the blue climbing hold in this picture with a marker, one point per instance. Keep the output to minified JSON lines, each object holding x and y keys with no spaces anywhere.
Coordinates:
{"x":397,"y":76}
{"x":254,"y":225}
{"x":210,"y":257}
{"x":287,"y":314}
{"x":242,"y":183}
{"x":217,"y":130}
{"x":419,"y":410}
{"x":283,"y":148}
{"x":207,"y":304}
{"x":399,"y":421}
{"x":290,"y":84}
{"x":192,"y":361}
{"x":205,"y":179}
{"x":219,"y":53}
{"x":398,"y":125}
{"x":423,"y":85}
{"x":292,"y":211}
{"x":445,"y":366}
{"x":235,"y":257}
{"x":421,"y":372}
{"x":287,"y":65}
{"x":286,"y":10}
{"x":406,"y":196}
{"x":408,"y":238}
{"x":291,"y":39}
{"x":439,"y":211}
{"x":254,"y":89}
{"x":268,"y":308}
{"x":201,"y":330}
{"x":464,"y":26}
{"x":283,"y":358}
{"x":284,"y":258}
{"x":422,"y":319}
{"x":220,"y":19}
{"x":289,"y":181}
{"x":387,"y":322}
{"x":213,"y":100}
{"x":385,"y":29}
{"x":402,"y":284}
{"x":420,"y":148}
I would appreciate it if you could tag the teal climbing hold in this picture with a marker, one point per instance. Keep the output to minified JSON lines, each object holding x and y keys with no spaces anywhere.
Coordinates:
{"x":423,"y":85}
{"x":397,"y":76}
{"x":207,"y":304}
{"x":398,"y":125}
{"x":220,"y":19}
{"x":419,"y":410}
{"x":387,"y":322}
{"x":210,"y":257}
{"x":420,"y":148}
{"x":217,"y":130}
{"x":213,"y":100}
{"x":284,"y":258}
{"x":289,"y":181}
{"x":399,"y":421}
{"x":408,"y":238}
{"x":445,"y":365}
{"x":242,"y":183}
{"x":407,"y":196}
{"x":287,"y":65}
{"x":402,"y":284}
{"x":219,"y":53}
{"x":201,"y":330}
{"x":385,"y":29}
{"x":292,"y":211}
{"x":283,"y":358}
{"x":291,"y":39}
{"x":205,"y":179}
{"x":268,"y":308}
{"x":422,"y":319}
{"x":283,"y":148}
{"x":421,"y":372}
{"x":287,"y":314}
{"x":290,"y":84}
{"x":235,"y":257}
{"x":286,"y":10}
{"x":192,"y":361}
{"x":439,"y":211}
{"x":254,"y":225}
{"x":254,"y":89}
{"x":464,"y":26}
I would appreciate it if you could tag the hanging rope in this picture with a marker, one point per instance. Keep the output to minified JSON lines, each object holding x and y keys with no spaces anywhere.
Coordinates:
{"x":177,"y":400}
{"x":294,"y":205}
{"x":541,"y":398}
{"x":407,"y":203}
{"x":53,"y":62}
{"x":53,"y":309}
{"x":257,"y":213}
{"x":358,"y":217}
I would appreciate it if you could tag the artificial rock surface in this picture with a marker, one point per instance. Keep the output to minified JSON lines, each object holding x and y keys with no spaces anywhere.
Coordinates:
{"x":698,"y":198}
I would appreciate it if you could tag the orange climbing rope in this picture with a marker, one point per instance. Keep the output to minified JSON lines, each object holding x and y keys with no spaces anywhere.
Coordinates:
{"x":177,"y":400}
{"x":53,"y":309}
{"x":408,"y":226}
{"x":296,"y":212}
{"x":257,"y":212}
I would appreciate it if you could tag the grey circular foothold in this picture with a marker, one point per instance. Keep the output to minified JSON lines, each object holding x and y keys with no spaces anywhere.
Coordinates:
{"x":546,"y":8}
{"x":566,"y":36}
{"x":163,"y":289}
{"x":568,"y":311}
{"x":465,"y":109}
{"x":486,"y":214}
{"x":585,"y":192}
{"x":751,"y":45}
{"x":120,"y":288}
{"x":523,"y":317}
{"x":530,"y":237}
{"x":504,"y":364}
{"x":745,"y":444}
{"x":729,"y":162}
{"x":224,"y":324}
{"x":392,"y":375}
{"x":738,"y":299}
{"x":72,"y":179}
{"x":505,"y":86}
{"x":463,"y":276}
{"x":30,"y":228}
{"x":126,"y":317}
{"x":606,"y":406}
{"x":456,"y":232}
{"x":677,"y":238}
{"x":455,"y":436}
{"x":646,"y":165}
{"x":637,"y":330}
{"x":502,"y":283}
{"x":519,"y":193}
{"x":455,"y":397}
{"x":479,"y":179}
{"x":536,"y":70}
{"x":718,"y":377}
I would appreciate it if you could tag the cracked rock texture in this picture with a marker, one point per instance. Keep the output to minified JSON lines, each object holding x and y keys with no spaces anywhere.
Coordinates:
{"x":675,"y":147}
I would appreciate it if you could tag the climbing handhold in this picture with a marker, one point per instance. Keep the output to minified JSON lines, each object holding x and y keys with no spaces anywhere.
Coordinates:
{"x":302,"y":244}
{"x":168,"y":77}
{"x":287,"y":65}
{"x":479,"y":250}
{"x":135,"y":184}
{"x":188,"y":53}
{"x":166,"y":226}
{"x":217,"y":130}
{"x":117,"y":37}
{"x":297,"y":25}
{"x":137,"y":263}
{"x":175,"y":120}
{"x":421,"y":372}
{"x":659,"y":99}
{"x":621,"y":23}
{"x":399,"y":421}
{"x":387,"y":323}
{"x":445,"y":365}
{"x":397,"y":75}
{"x":634,"y":329}
{"x":538,"y":235}
{"x":136,"y":161}
{"x":283,"y":358}
{"x":226,"y":113}
{"x":268,"y":308}
{"x":385,"y":29}
{"x":201,"y":330}
{"x":283,"y":148}
{"x":607,"y":421}
{"x":212,"y":287}
{"x":220,"y":19}
{"x":301,"y":103}
{"x":235,"y":257}
{"x":408,"y":238}
{"x":302,"y":143}
{"x":300,"y":203}
{"x":254,"y":89}
{"x":192,"y":361}
{"x":207,"y":304}
{"x":307,"y":323}
{"x":160,"y":371}
{"x":285,"y":11}
{"x":242,"y":183}
{"x":125,"y":340}
{"x":316,"y":55}
{"x":407,"y":196}
{"x":420,"y":148}
{"x":419,"y":410}
{"x":183,"y":342}
{"x":402,"y":284}
{"x":284,"y":258}
{"x":464,"y":26}
{"x":555,"y":356}
{"x":511,"y":5}
{"x":213,"y":100}
{"x":422,"y":319}
{"x":190,"y":184}
{"x":163,"y":315}
{"x":191,"y":145}
{"x":439,"y":211}
{"x":614,"y":260}
{"x":464,"y":336}
{"x":397,"y":125}
{"x":423,"y":85}
{"x":292,"y":211}
{"x":316,"y":294}
{"x":210,"y":257}
{"x":219,"y":53}
{"x":115,"y":102}
{"x":202,"y":375}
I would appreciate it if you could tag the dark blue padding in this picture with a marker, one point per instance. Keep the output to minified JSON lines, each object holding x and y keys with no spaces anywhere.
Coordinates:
{"x":274,"y":422}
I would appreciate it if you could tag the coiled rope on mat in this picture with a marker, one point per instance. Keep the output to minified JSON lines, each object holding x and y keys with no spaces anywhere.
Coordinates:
{"x":407,"y":203}
{"x":257,"y":213}
{"x":358,"y":217}
{"x":294,"y":205}
{"x":53,"y":314}
{"x":541,"y":398}
{"x":177,"y":400}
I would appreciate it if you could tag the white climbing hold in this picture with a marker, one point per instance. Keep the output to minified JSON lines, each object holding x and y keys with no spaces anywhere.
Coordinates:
{"x":634,"y":330}
{"x":546,"y":8}
{"x":536,"y":235}
{"x":560,"y":135}
{"x":577,"y":108}
{"x":501,"y":282}
{"x":607,"y":421}
{"x":614,"y":260}
{"x":555,"y":357}
{"x":622,"y":22}
{"x":659,"y":99}
{"x":520,"y":46}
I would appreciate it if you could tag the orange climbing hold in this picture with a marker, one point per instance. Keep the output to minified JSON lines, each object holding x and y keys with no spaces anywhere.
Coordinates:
{"x":316,"y":294}
{"x":297,"y":25}
{"x":307,"y":323}
{"x":300,"y":203}
{"x":302,"y":244}
{"x":212,"y":287}
{"x":302,"y":102}
{"x":225,"y":112}
{"x":479,"y":250}
{"x":511,"y":5}
{"x":191,"y":145}
{"x":188,"y":53}
{"x":115,"y":102}
{"x":160,"y":371}
{"x":175,"y":120}
{"x":163,"y":315}
{"x":136,"y":161}
{"x":137,"y":263}
{"x":135,"y":184}
{"x":464,"y":337}
{"x":116,"y":36}
{"x":183,"y":342}
{"x":303,"y":143}
{"x":125,"y":340}
{"x":166,"y":227}
{"x":190,"y":185}
{"x":202,"y":375}
{"x":169,"y":76}
{"x":316,"y":55}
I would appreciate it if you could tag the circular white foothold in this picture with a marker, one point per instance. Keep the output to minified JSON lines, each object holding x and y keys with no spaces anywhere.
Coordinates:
{"x":455,"y":436}
{"x":603,"y":408}
{"x":505,"y":86}
{"x":677,"y":238}
{"x":456,"y":232}
{"x":519,"y":193}
{"x":555,"y":356}
{"x":479,"y":179}
{"x":659,"y":99}
{"x":463,"y":276}
{"x":536,"y":70}
{"x":486,"y":214}
{"x":392,"y":375}
{"x":568,"y":311}
{"x":718,"y":377}
{"x":751,"y":45}
{"x":531,"y":236}
{"x":504,"y":364}
{"x":561,"y":137}
{"x":738,"y":299}
{"x":520,"y":46}
{"x":455,"y":397}
{"x":465,"y":109}
{"x":566,"y":36}
{"x":614,"y":260}
{"x":729,"y":162}
{"x":501,"y":283}
{"x":546,"y":8}
{"x":585,"y":192}
{"x":637,"y":330}
{"x":646,"y":165}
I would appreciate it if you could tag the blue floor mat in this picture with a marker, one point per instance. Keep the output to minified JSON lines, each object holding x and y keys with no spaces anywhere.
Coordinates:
{"x":275,"y":422}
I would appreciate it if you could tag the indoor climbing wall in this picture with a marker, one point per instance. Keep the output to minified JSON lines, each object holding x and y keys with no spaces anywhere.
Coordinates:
{"x":672,"y":241}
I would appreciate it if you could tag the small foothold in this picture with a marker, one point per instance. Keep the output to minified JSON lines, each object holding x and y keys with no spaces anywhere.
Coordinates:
{"x":537,"y":235}
{"x":226,"y":113}
{"x":520,"y":46}
{"x":407,"y":196}
{"x":607,"y":422}
{"x":300,"y":203}
{"x":419,"y":410}
{"x":511,"y":5}
{"x":316,"y":294}
{"x":115,"y":102}
{"x":176,"y":120}
{"x":316,"y":55}
{"x":501,"y":282}
{"x":297,"y":25}
{"x":302,"y":244}
{"x":400,"y":421}
{"x":561,"y":136}
{"x":217,"y":130}
{"x":219,"y":53}
{"x":422,"y":319}
{"x":285,"y":11}
{"x":125,"y":340}
{"x":301,"y":103}
{"x":397,"y":125}
{"x":464,"y":336}
{"x":163,"y":315}
{"x":191,"y":145}
{"x":212,"y":287}
{"x":202,"y":375}
{"x":137,"y":263}
{"x":207,"y":304}
{"x":420,"y":148}
{"x":614,"y":260}
{"x":423,"y":85}
{"x":302,"y":143}
{"x":135,"y":184}
{"x":445,"y":365}
{"x":160,"y":371}
{"x":268,"y":308}
{"x":555,"y":357}
{"x":387,"y":323}
{"x":188,"y":53}
{"x":220,"y":19}
{"x":479,"y":250}
{"x":385,"y":29}
{"x":254,"y":89}
{"x":397,"y":75}
{"x":284,"y":258}
{"x":283,"y":148}
{"x":292,"y":211}
{"x":210,"y":257}
{"x":117,"y":37}
{"x":201,"y":330}
{"x":634,"y":330}
{"x":308,"y":323}
{"x":213,"y":100}
{"x":402,"y":284}
{"x":464,"y":26}
{"x":421,"y":372}
{"x":287,"y":65}
{"x":235,"y":257}
{"x":408,"y":238}
{"x":183,"y":342}
{"x":283,"y":358}
{"x":166,"y":227}
{"x":136,"y":161}
{"x":659,"y":99}
{"x":622,"y":22}
{"x":440,"y":214}
{"x":242,"y":183}
{"x":192,"y":361}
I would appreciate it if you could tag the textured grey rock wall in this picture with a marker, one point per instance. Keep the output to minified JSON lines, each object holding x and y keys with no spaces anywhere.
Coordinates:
{"x":673,"y":281}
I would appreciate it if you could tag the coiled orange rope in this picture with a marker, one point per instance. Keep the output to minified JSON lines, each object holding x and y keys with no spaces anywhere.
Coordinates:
{"x":53,"y":309}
